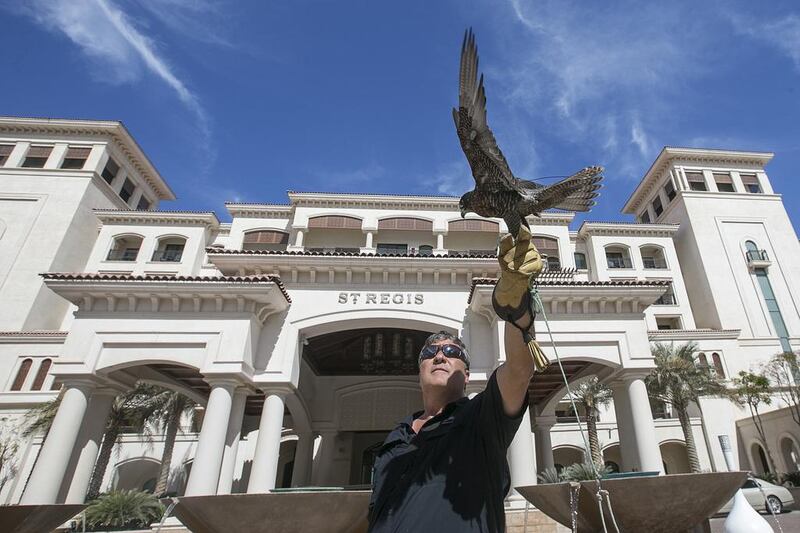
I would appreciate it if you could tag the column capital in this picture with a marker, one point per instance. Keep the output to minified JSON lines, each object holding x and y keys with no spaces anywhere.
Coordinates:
{"x":276,"y":389}
{"x":544,"y":422}
{"x":223,"y":380}
{"x":626,"y":376}
{"x":85,"y":383}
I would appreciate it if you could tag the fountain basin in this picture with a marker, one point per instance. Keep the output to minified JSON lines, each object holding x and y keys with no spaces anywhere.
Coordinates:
{"x":655,"y":504}
{"x":343,"y":511}
{"x":36,"y":518}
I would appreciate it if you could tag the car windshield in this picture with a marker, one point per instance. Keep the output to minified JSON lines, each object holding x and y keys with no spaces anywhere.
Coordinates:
{"x":750,"y":484}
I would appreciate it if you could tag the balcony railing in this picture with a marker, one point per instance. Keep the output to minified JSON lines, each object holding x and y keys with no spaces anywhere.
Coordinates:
{"x":756,"y":255}
{"x":616,"y":262}
{"x":168,"y":256}
{"x":334,"y":250}
{"x":127,"y":254}
{"x":653,"y":262}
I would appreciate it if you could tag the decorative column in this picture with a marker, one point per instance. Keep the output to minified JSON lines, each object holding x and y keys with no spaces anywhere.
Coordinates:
{"x":320,"y":475}
{"x":521,"y":460}
{"x":232,"y":441}
{"x":204,"y":477}
{"x":440,"y":243}
{"x":637,"y":433}
{"x":368,"y":243}
{"x":47,"y":475}
{"x":265,"y":463}
{"x":544,"y":445}
{"x":88,"y":444}
{"x":303,"y":456}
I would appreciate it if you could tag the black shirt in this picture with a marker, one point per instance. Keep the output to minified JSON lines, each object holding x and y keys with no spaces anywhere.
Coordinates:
{"x":452,"y":475}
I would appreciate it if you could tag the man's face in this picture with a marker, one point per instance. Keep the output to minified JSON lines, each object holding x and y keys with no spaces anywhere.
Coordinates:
{"x":443,"y":372}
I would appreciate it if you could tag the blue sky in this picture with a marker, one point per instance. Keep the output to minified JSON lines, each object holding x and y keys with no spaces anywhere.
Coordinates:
{"x":242,"y":101}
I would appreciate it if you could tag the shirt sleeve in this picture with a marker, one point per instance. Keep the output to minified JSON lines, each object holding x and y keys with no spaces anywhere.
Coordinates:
{"x":493,"y":421}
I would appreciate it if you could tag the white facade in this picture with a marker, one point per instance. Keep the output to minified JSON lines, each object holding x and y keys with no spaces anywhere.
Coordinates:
{"x":296,"y":325}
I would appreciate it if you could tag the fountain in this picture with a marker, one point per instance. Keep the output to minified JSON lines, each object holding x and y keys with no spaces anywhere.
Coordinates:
{"x":656,"y":504}
{"x":36,"y":518}
{"x":297,"y":511}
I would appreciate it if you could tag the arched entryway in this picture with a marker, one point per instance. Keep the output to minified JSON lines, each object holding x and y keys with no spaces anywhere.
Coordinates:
{"x":140,"y":473}
{"x":790,"y":454}
{"x":759,"y":459}
{"x":675,"y":457}
{"x":612,"y":458}
{"x":564,"y":456}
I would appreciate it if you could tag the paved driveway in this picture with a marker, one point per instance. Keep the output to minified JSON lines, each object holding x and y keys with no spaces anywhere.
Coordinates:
{"x":789,"y":521}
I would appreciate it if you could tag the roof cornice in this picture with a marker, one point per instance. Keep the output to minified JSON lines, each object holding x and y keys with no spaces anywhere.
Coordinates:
{"x":183,"y":218}
{"x":661,"y":335}
{"x":627,"y":229}
{"x":32,"y":337}
{"x":700,"y":155}
{"x":256,"y":210}
{"x":116,"y":130}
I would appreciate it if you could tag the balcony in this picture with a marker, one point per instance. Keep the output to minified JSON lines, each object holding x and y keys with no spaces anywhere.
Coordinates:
{"x":167,"y":256}
{"x":125,"y":254}
{"x":757,"y":259}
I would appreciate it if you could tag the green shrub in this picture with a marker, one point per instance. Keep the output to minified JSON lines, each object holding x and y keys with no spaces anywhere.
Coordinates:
{"x":549,"y":475}
{"x":792,"y":477}
{"x":583,"y":472}
{"x":769,"y":477}
{"x":123,"y":509}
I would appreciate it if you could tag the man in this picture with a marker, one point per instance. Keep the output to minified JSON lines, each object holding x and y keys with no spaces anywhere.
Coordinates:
{"x":444,"y":468}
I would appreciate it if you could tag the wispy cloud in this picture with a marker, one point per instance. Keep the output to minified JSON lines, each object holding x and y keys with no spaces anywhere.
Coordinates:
{"x":199,"y":20}
{"x":453,"y":178}
{"x":783,"y":34}
{"x":119,"y":50}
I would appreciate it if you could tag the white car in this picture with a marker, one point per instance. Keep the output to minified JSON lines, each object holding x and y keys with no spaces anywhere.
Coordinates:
{"x":760,"y":493}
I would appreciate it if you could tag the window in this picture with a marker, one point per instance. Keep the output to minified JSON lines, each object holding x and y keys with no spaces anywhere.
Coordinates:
{"x":669,"y":190}
{"x":548,"y":247}
{"x":144,"y":204}
{"x":426,"y":249}
{"x":702,"y":360}
{"x":668,"y":298}
{"x":169,"y":250}
{"x":36,"y":156}
{"x":752,"y":252}
{"x":405,"y":223}
{"x":644,"y":218}
{"x":724,"y":182}
{"x":22,"y":373}
{"x":697,"y":182}
{"x":5,"y":151}
{"x":717,"y":360}
{"x":41,"y":374}
{"x":392,"y":249}
{"x":110,"y":171}
{"x":127,"y":190}
{"x":265,"y":240}
{"x":125,"y":248}
{"x":580,"y":261}
{"x":657,"y":207}
{"x":76,"y":157}
{"x":618,"y":257}
{"x":751,"y":184}
{"x":653,"y":257}
{"x":664,"y":322}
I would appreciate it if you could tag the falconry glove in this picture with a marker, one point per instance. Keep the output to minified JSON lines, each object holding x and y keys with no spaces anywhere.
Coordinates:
{"x":520,"y":263}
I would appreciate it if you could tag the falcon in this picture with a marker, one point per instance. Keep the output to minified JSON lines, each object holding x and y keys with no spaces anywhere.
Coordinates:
{"x":498,"y":193}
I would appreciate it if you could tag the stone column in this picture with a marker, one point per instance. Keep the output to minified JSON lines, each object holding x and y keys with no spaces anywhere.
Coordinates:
{"x":320,"y":475}
{"x":302,"y":460}
{"x":204,"y":477}
{"x":637,"y":433}
{"x":368,"y":243}
{"x":88,"y":444}
{"x":298,"y":240}
{"x":47,"y":475}
{"x":439,"y":243}
{"x":265,"y":463}
{"x":232,"y":441}
{"x":544,"y":445}
{"x":521,"y":460}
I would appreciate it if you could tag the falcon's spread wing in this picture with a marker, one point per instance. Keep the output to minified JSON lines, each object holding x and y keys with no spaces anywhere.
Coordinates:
{"x":489,"y":166}
{"x":575,"y":193}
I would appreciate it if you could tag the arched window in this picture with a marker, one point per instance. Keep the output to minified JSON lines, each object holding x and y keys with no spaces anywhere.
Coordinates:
{"x":265,"y":240}
{"x":22,"y":373}
{"x":548,"y":247}
{"x":717,"y":360}
{"x":653,"y":257}
{"x":618,"y":256}
{"x":125,"y":248}
{"x":41,"y":374}
{"x":169,"y":249}
{"x":334,"y":222}
{"x":405,"y":223}
{"x":580,"y":261}
{"x":702,"y":360}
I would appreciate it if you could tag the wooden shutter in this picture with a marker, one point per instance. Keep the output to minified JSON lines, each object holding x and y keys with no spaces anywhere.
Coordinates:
{"x":39,"y":151}
{"x":474,"y":225}
{"x":22,"y":373}
{"x":266,"y":237}
{"x":78,"y":152}
{"x":5,"y":149}
{"x":405,"y":223}
{"x":44,"y":368}
{"x":334,"y":222}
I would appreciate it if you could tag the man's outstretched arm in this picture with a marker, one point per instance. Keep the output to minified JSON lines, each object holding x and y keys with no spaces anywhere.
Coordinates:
{"x":515,"y":374}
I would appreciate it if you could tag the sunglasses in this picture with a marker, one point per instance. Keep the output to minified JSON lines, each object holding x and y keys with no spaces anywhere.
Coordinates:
{"x":449,"y":350}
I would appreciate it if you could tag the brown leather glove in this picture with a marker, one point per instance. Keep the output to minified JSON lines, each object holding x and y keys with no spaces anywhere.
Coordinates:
{"x":519,"y":262}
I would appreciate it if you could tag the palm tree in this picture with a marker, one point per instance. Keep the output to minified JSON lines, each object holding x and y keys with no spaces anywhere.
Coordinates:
{"x":592,"y":395}
{"x":128,"y":411}
{"x":172,"y":407}
{"x":679,"y":381}
{"x":753,"y":390}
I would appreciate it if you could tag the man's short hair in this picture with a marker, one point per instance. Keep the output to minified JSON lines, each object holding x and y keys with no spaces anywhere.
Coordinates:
{"x":445,"y":336}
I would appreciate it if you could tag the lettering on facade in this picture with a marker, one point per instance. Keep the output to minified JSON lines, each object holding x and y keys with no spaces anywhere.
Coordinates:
{"x":383,"y":298}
